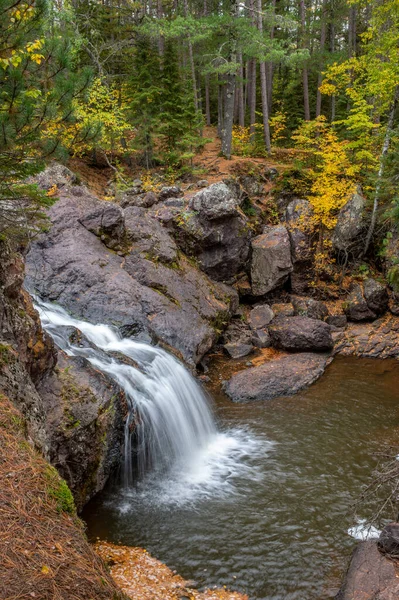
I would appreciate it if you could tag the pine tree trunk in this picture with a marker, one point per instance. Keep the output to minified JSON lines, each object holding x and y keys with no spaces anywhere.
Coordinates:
{"x":161,"y":39}
{"x":252,"y":79}
{"x":228,"y":114}
{"x":192,"y":65}
{"x":220,"y":106}
{"x":263,"y":87}
{"x":383,"y":156}
{"x":332,"y":48}
{"x":241,"y":109}
{"x":252,"y":97}
{"x":269,"y":65}
{"x":305,"y":78}
{"x":322,"y":46}
{"x":207,"y":102}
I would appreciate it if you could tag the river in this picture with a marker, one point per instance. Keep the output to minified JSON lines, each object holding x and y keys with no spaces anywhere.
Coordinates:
{"x":265,"y":508}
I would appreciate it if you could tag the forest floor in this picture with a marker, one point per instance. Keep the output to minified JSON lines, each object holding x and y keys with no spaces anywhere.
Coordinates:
{"x":44,"y":553}
{"x":207,"y":164}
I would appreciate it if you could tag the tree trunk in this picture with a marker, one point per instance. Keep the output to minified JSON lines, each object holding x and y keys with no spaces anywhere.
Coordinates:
{"x":305,"y":78}
{"x":220,"y":106}
{"x":241,"y":109}
{"x":228,"y":114}
{"x":207,"y":102}
{"x":263,"y":87}
{"x":192,"y":65}
{"x":383,"y":156}
{"x":252,"y":96}
{"x":161,"y":39}
{"x":322,"y":46}
{"x":252,"y":79}
{"x":269,"y":65}
{"x":332,"y":48}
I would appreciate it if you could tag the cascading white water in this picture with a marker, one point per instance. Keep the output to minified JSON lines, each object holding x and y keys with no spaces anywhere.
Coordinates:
{"x":169,"y":413}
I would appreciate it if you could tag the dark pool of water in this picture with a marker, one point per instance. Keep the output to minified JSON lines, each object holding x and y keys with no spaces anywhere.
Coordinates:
{"x":275,"y":527}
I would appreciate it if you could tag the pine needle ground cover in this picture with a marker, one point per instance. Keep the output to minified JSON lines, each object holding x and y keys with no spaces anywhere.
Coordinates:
{"x":43,"y":550}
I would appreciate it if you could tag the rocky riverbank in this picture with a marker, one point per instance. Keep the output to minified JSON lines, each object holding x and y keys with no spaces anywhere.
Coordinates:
{"x":196,"y":272}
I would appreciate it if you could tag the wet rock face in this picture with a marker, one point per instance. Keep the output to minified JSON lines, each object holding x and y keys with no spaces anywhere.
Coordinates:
{"x":283,"y":377}
{"x":351,"y":222}
{"x":301,"y":334}
{"x":150,"y":290}
{"x":214,"y":231}
{"x":74,"y":415}
{"x":370,"y":576}
{"x":271,"y":260}
{"x":84,"y":426}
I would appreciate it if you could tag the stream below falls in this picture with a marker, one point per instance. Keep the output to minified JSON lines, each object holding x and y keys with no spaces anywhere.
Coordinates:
{"x":265,"y":507}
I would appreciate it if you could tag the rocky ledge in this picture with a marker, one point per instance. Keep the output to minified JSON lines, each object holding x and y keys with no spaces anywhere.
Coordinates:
{"x":280,"y":377}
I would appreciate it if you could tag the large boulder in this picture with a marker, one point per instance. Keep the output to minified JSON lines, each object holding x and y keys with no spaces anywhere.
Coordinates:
{"x":366,"y":302}
{"x":301,"y":334}
{"x":371,"y":576}
{"x":271,"y":262}
{"x":144,"y":200}
{"x":298,"y":216}
{"x":150,"y":292}
{"x":350,"y":224}
{"x":213,"y":230}
{"x":356,"y":307}
{"x":376,"y":296}
{"x":283,"y":377}
{"x":215,"y":202}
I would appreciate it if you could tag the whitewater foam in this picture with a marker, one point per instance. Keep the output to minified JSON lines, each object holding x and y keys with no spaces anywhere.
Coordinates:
{"x":170,"y":429}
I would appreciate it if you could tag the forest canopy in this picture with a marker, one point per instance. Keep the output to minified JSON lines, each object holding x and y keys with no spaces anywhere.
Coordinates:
{"x":138,"y":82}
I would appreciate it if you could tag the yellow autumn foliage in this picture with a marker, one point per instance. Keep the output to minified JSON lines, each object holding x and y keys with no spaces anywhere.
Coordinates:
{"x":99,"y":122}
{"x":332,"y":172}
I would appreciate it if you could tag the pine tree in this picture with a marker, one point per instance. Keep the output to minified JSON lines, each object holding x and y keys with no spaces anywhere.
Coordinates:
{"x":38,"y":89}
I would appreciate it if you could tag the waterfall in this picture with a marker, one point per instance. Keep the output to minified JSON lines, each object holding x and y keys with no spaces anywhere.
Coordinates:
{"x":168,"y":413}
